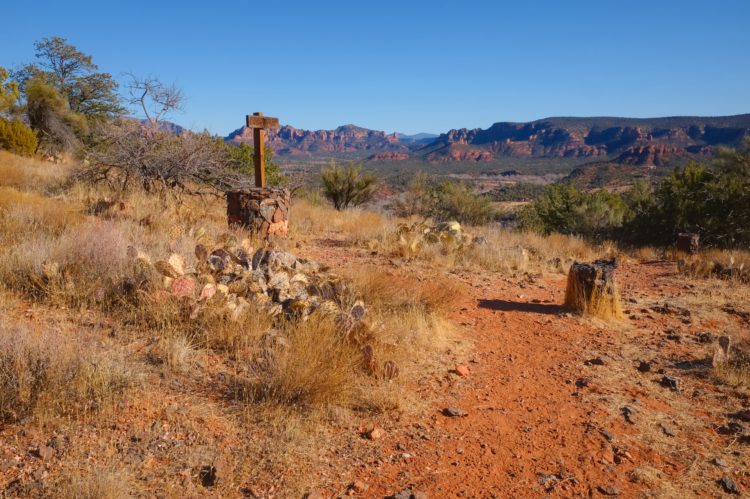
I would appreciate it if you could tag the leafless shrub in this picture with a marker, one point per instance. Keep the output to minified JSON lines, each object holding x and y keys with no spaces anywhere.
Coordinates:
{"x":130,"y":153}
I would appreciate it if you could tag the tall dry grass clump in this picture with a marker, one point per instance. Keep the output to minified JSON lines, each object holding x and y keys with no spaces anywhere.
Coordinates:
{"x":591,"y":290}
{"x":97,"y":483}
{"x":309,"y":363}
{"x":81,"y":266}
{"x":30,"y":174}
{"x":46,"y":374}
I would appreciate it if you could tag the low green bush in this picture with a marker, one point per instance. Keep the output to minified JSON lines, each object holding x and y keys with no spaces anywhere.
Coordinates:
{"x":17,"y":138}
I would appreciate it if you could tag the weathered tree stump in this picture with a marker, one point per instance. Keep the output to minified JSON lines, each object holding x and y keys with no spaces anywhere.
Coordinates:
{"x":688,"y":242}
{"x":264,"y":211}
{"x":592,"y":290}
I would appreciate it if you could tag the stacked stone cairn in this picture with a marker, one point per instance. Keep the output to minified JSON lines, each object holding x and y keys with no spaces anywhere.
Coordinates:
{"x":242,"y":279}
{"x":264,"y":211}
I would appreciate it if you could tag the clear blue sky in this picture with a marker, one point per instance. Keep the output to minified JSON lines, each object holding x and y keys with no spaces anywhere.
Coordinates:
{"x":410,"y":66}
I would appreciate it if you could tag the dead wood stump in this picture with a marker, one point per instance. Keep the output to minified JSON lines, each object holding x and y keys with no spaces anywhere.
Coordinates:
{"x":592,"y":289}
{"x":688,"y":242}
{"x":264,"y":211}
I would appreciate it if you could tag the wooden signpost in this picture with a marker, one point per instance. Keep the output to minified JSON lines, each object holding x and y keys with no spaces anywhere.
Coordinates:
{"x":259,"y":124}
{"x":263,"y":210}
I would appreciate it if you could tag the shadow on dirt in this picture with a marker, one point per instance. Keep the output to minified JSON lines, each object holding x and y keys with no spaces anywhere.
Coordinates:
{"x":513,"y":306}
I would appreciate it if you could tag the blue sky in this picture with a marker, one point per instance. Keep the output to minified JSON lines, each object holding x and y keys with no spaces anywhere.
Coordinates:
{"x":410,"y":66}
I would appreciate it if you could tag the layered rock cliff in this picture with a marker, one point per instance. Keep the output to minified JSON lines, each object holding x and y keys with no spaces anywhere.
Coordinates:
{"x":288,"y":140}
{"x":631,"y":141}
{"x":626,"y":140}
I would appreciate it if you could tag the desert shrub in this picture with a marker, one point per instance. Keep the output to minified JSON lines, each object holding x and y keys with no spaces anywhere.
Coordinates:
{"x":49,"y":115}
{"x":128,"y":153}
{"x":457,"y":201}
{"x":445,"y":201}
{"x":347,"y":186}
{"x":417,"y":199}
{"x":17,"y":138}
{"x":81,"y":266}
{"x":713,"y":201}
{"x":565,"y":209}
{"x":44,"y":373}
{"x":517,"y":192}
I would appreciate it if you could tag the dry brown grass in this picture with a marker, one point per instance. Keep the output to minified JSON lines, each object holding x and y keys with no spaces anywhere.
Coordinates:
{"x":211,"y":326}
{"x":78,"y":267}
{"x":308,"y":364}
{"x":23,"y":214}
{"x":727,"y":265}
{"x":735,"y":372}
{"x":30,"y":174}
{"x":45,"y":374}
{"x":96,"y":483}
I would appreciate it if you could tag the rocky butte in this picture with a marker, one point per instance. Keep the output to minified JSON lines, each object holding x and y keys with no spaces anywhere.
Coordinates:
{"x":630,"y":141}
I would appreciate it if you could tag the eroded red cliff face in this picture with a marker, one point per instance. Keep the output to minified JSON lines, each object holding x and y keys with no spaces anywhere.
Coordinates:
{"x":631,"y":141}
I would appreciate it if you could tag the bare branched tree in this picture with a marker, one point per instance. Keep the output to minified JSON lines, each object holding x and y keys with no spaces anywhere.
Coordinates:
{"x":129,"y":153}
{"x":155,"y":98}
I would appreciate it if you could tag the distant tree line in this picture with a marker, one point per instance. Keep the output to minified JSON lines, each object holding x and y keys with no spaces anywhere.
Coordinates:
{"x":712,"y":200}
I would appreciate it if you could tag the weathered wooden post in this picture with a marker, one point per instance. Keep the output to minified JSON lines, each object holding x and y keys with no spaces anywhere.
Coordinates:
{"x":263,"y":210}
{"x":592,"y":290}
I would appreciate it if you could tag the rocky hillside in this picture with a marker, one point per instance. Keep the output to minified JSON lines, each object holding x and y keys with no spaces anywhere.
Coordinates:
{"x":629,"y":141}
{"x":290,"y":141}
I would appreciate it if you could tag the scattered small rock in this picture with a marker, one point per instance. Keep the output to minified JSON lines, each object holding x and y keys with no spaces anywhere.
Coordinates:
{"x":583,"y":382}
{"x":45,"y":452}
{"x":728,"y":485}
{"x":608,"y":490}
{"x":375,"y":434}
{"x":705,"y":337}
{"x":667,"y":430}
{"x":731,"y":428}
{"x":607,"y":434}
{"x":357,"y":486}
{"x":597,"y":361}
{"x":670,"y":382}
{"x":207,"y":475}
{"x":644,"y":366}
{"x":408,"y":494}
{"x":717,"y":461}
{"x":628,"y":413}
{"x":454,"y":412}
{"x":462,"y":370}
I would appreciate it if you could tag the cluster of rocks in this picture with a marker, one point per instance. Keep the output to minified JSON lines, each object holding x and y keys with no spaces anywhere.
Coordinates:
{"x":264,"y":211}
{"x":242,"y":279}
{"x":413,"y":237}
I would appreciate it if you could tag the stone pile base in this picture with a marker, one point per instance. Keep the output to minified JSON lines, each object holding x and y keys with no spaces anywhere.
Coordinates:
{"x":264,"y":211}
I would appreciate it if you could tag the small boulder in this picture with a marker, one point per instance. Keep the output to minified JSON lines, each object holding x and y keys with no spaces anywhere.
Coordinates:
{"x":454,"y":412}
{"x":183,"y":287}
